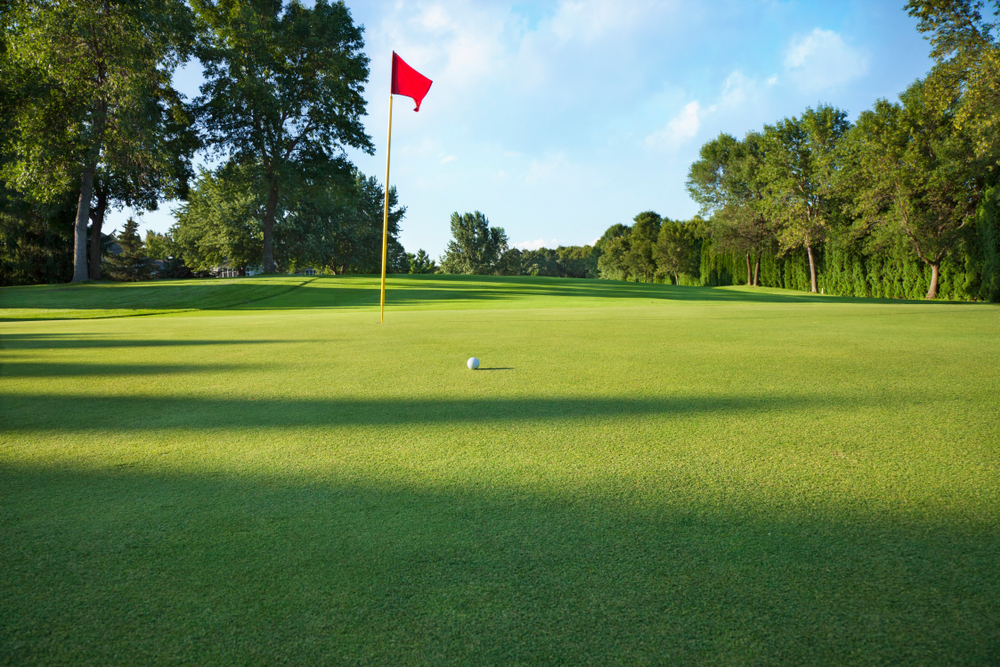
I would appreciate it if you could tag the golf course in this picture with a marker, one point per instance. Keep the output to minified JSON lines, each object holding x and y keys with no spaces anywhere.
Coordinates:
{"x":256,"y":471}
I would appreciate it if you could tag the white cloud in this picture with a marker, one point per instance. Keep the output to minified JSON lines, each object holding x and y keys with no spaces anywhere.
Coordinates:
{"x":735,"y":89}
{"x":447,"y":159}
{"x":535,"y":245}
{"x":681,"y":128}
{"x":822,"y":60}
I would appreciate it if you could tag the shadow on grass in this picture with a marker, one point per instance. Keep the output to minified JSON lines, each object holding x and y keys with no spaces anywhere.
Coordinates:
{"x":47,"y":341}
{"x":54,"y":412}
{"x":135,"y":567}
{"x":363,"y":291}
{"x":24,"y":369}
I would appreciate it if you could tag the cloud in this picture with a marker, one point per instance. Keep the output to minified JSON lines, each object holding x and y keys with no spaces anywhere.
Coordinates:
{"x":681,"y":128}
{"x":822,"y":60}
{"x":535,"y":245}
{"x":447,"y":159}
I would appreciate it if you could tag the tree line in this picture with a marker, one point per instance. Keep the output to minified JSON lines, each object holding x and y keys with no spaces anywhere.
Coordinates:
{"x":902,"y":203}
{"x":90,"y":122}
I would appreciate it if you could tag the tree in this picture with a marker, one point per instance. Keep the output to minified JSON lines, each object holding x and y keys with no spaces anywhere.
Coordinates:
{"x":578,"y":261}
{"x":967,"y":49}
{"x":220,"y":224}
{"x":728,"y":184}
{"x":92,"y":77}
{"x":640,"y":258}
{"x":283,"y":92}
{"x":421,"y":262}
{"x":475,"y":248}
{"x":676,"y":250}
{"x":798,"y":164}
{"x":131,"y":263}
{"x":613,"y":245}
{"x":337,"y":223}
{"x":912,"y":171}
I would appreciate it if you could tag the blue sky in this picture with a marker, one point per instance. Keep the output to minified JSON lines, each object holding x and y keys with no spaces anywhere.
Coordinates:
{"x":560,"y":118}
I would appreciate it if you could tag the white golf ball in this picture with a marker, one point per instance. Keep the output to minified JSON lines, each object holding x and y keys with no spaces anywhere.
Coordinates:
{"x":473,"y":364}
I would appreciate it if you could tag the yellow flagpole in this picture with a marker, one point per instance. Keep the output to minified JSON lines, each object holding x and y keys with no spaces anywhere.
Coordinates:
{"x":385,"y":214}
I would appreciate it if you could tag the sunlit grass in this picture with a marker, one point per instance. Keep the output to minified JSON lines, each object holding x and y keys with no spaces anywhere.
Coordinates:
{"x":640,"y":474}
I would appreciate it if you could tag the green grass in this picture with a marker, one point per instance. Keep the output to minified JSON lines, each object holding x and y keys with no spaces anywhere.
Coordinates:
{"x":640,"y":474}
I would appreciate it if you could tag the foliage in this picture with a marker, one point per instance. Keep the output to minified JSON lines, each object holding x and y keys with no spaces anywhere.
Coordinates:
{"x":798,"y":167}
{"x":131,"y":263}
{"x":613,"y":245}
{"x":911,"y":171}
{"x":728,"y":183}
{"x":967,"y":50}
{"x":283,"y":93}
{"x":475,"y":248}
{"x":421,"y":262}
{"x":92,"y":94}
{"x":677,"y":250}
{"x":36,"y":241}
{"x":220,"y":224}
{"x":337,"y":224}
{"x":640,"y":258}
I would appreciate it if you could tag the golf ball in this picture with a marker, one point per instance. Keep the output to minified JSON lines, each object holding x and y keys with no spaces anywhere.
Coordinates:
{"x":473,"y":364}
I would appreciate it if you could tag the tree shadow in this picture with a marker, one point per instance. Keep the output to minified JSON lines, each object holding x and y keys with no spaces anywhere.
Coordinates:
{"x":25,"y":369}
{"x":47,"y":341}
{"x":56,"y":412}
{"x":412,"y":290}
{"x":131,"y":566}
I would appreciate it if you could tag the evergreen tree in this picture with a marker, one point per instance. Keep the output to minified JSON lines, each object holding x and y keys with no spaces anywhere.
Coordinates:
{"x":131,"y":263}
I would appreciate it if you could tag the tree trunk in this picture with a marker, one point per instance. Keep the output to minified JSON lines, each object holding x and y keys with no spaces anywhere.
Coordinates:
{"x":97,"y":222}
{"x":812,"y":268}
{"x":82,"y":216}
{"x":677,"y":280}
{"x":756,"y":272}
{"x":932,"y":290}
{"x":272,"y":206}
{"x":749,"y":272}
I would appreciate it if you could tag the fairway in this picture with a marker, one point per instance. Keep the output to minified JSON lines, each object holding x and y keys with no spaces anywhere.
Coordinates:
{"x":256,"y":471}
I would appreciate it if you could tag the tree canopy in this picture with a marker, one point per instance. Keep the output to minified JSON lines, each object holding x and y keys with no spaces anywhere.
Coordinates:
{"x":283,"y":92}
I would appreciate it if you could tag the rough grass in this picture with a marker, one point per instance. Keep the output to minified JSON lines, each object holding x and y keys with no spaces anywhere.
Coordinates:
{"x":639,"y":474}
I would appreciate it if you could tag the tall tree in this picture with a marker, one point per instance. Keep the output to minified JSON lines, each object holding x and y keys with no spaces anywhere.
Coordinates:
{"x":283,"y":91}
{"x":337,"y":224}
{"x":220,"y":223}
{"x":613,"y":246}
{"x":728,"y":183}
{"x":475,"y":248}
{"x":91,"y":75}
{"x":966,"y":46}
{"x":676,"y":250}
{"x":799,"y":166}
{"x":911,"y":171}
{"x":640,"y":258}
{"x":131,"y":263}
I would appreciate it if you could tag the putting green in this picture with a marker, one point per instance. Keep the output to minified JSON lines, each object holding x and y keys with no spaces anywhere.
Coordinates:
{"x":263,"y":473}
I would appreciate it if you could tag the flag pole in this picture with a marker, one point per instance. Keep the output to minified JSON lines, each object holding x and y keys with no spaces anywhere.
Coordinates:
{"x":385,"y":214}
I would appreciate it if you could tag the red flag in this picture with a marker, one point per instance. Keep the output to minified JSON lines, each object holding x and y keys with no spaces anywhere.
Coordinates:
{"x":408,"y":81}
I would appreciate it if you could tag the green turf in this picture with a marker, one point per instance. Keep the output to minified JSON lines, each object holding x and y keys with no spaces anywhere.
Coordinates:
{"x":640,"y":474}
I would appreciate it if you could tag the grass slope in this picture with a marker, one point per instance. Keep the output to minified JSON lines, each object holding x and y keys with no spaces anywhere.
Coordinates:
{"x":640,"y":474}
